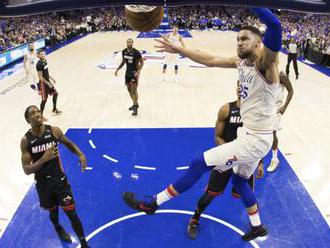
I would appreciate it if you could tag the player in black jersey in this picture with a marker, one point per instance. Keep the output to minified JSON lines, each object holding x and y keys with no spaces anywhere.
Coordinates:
{"x":228,"y":121}
{"x":46,"y":83}
{"x":134,"y":63}
{"x":40,"y":156}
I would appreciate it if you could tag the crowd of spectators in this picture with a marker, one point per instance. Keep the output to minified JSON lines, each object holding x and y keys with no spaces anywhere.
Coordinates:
{"x":309,"y":30}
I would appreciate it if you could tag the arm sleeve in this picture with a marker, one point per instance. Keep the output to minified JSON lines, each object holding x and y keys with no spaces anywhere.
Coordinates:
{"x":273,"y":36}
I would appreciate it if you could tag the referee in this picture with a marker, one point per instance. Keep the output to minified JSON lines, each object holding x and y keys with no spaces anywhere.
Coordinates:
{"x":292,"y":56}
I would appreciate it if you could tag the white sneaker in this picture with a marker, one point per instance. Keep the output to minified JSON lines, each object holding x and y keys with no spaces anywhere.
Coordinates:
{"x":273,"y":165}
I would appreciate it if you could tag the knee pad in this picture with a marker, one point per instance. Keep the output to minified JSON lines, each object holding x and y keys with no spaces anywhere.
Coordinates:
{"x":164,"y":66}
{"x":176,"y":67}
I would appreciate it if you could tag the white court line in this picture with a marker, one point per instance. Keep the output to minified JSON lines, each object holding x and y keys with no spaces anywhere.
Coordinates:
{"x":110,"y":158}
{"x":90,"y":130}
{"x":171,"y":211}
{"x":89,"y":168}
{"x":92,"y":144}
{"x":144,"y":167}
{"x":182,"y":168}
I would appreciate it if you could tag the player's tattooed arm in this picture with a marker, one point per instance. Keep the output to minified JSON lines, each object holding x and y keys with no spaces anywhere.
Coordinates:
{"x":71,"y":146}
{"x":28,"y":166}
{"x":220,"y":124}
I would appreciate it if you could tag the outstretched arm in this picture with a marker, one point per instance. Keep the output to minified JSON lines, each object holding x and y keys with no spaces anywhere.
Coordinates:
{"x":198,"y":56}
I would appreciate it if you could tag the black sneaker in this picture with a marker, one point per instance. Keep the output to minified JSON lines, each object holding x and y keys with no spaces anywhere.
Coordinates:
{"x":135,"y":111}
{"x":57,"y":112}
{"x":255,"y":232}
{"x":63,"y":235}
{"x":192,"y":229}
{"x":132,"y":107}
{"x":147,"y":206}
{"x":84,"y":244}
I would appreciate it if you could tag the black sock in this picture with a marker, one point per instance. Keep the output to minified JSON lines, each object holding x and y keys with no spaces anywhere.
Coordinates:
{"x":76,"y":225}
{"x":54,"y":101}
{"x":53,"y":216}
{"x":203,"y":203}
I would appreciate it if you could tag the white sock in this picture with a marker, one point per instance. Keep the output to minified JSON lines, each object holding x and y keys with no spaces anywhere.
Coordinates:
{"x":255,"y":219}
{"x":164,"y":196}
{"x":275,"y":154}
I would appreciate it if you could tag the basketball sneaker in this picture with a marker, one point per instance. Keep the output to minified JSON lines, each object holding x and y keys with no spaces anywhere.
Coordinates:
{"x":255,"y":232}
{"x":273,"y":165}
{"x":57,"y":112}
{"x":132,"y":107}
{"x":135,"y":110}
{"x":63,"y":235}
{"x":148,"y":205}
{"x":192,"y":229}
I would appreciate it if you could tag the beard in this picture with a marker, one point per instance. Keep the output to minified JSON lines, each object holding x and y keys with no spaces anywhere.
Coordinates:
{"x":244,"y":55}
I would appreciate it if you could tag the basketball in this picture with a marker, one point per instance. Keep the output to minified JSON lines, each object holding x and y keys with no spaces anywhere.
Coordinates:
{"x":143,"y":18}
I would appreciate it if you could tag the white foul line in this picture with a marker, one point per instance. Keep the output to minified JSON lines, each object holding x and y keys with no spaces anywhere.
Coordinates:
{"x":144,"y":167}
{"x":110,"y":158}
{"x":164,"y":211}
{"x":92,"y":144}
{"x":182,"y":168}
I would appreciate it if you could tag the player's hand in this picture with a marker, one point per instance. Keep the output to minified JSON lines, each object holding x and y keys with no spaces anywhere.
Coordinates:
{"x":137,"y":74}
{"x":281,"y":110}
{"x":116,"y":73}
{"x":83,"y":162}
{"x":165,"y":45}
{"x":54,"y":81}
{"x":260,"y":171}
{"x":50,"y":154}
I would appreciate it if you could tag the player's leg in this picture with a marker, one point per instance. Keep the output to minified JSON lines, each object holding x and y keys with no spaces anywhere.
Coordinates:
{"x":43,"y":91}
{"x":287,"y":70}
{"x":53,"y":92}
{"x":48,"y":202}
{"x":176,"y":69}
{"x":242,"y":186}
{"x":275,"y":161}
{"x":216,"y":186}
{"x":130,"y":91}
{"x":66,"y":200}
{"x":253,"y":148}
{"x":295,"y":66}
{"x":223,"y":155}
{"x":164,"y":70}
{"x":176,"y":60}
{"x":135,"y":97}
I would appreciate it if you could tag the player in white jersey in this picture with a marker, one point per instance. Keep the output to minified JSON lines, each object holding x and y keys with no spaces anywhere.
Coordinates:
{"x":29,"y":62}
{"x":281,"y":108}
{"x":172,"y":58}
{"x":258,"y":78}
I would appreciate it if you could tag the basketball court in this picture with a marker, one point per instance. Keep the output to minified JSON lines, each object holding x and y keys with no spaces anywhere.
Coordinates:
{"x":147,"y":152}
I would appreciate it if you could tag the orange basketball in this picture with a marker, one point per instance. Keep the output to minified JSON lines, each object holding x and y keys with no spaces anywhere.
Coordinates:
{"x":143,"y":18}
